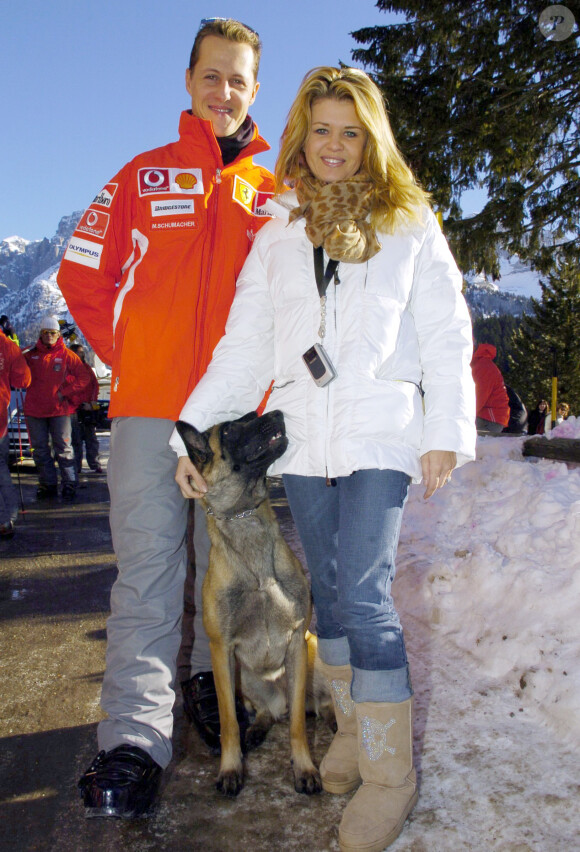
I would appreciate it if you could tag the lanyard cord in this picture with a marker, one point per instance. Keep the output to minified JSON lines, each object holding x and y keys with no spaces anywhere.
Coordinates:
{"x":322,"y":277}
{"x":322,"y":282}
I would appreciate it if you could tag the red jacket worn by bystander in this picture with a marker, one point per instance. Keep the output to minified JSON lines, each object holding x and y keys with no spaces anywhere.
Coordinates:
{"x":14,"y":373}
{"x":492,"y":401}
{"x":91,"y":392}
{"x":58,"y":377}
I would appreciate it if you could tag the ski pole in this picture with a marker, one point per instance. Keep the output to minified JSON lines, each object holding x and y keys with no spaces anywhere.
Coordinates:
{"x":20,"y":410}
{"x":554,"y":385}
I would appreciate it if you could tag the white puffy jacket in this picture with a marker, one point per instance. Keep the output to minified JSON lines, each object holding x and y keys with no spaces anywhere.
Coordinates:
{"x":395,"y":325}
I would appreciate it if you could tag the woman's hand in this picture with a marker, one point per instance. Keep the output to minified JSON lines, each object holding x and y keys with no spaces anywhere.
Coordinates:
{"x":437,"y":466}
{"x":191,"y":482}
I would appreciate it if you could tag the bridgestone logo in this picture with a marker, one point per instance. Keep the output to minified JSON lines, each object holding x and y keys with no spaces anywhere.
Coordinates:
{"x":172,"y":208}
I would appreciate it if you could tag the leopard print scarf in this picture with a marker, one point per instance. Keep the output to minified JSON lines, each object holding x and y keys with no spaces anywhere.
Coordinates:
{"x":336,"y":217}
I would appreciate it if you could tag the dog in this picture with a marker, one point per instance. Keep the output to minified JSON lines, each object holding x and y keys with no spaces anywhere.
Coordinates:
{"x":256,"y":597}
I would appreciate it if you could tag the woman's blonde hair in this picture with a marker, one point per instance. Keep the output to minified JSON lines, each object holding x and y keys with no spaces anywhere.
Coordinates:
{"x":396,"y":197}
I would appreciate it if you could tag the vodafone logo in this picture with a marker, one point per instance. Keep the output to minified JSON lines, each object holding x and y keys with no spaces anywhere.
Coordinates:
{"x":154,"y":178}
{"x":172,"y":181}
{"x":94,"y":222}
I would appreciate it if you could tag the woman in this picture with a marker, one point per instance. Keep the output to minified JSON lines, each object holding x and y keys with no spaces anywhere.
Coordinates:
{"x":539,"y":421}
{"x":395,"y":329}
{"x":562,"y":412}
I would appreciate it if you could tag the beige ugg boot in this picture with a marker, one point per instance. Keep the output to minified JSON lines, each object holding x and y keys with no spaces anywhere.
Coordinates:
{"x":375,"y":815}
{"x":339,"y":768}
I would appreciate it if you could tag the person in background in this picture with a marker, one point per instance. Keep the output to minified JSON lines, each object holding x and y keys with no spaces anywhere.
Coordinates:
{"x":492,"y":402}
{"x":539,"y":420}
{"x":14,"y":373}
{"x":518,"y":419}
{"x":8,"y":329}
{"x":58,"y":377}
{"x":83,"y":421}
{"x":562,"y":412}
{"x":149,"y":275}
{"x":356,"y":263}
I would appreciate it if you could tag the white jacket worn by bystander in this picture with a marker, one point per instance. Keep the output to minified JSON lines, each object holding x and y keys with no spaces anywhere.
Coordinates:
{"x":397,"y":331}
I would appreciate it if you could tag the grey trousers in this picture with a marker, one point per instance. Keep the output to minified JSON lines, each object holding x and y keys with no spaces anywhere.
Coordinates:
{"x":8,"y":494}
{"x":148,"y":522}
{"x":43,"y":430}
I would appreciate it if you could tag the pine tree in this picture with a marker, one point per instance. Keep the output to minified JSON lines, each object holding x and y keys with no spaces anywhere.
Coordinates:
{"x":479,"y":97}
{"x":552,"y":329}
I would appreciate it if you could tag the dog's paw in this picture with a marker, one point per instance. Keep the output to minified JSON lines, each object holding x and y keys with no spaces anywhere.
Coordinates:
{"x":230,"y":782}
{"x":307,"y":782}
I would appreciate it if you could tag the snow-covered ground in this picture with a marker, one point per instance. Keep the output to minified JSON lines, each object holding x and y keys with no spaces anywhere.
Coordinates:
{"x":502,"y":542}
{"x":488,"y":589}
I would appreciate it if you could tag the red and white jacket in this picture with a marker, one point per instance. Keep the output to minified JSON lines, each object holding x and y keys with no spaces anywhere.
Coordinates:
{"x":150,"y":272}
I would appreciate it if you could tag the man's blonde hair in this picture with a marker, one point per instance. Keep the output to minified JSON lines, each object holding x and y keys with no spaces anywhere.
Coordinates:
{"x":396,"y":197}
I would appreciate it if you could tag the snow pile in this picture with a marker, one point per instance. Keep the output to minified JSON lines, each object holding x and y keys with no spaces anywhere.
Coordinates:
{"x":492,"y":563}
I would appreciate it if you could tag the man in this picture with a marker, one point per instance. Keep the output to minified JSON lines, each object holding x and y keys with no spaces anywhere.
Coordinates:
{"x":14,"y":373}
{"x":8,"y":329}
{"x":149,"y":276}
{"x":57,"y":377}
{"x":491,"y":397}
{"x":84,"y":431}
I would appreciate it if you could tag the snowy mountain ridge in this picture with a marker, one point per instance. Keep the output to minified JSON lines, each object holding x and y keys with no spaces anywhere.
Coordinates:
{"x":13,"y":245}
{"x":21,"y":260}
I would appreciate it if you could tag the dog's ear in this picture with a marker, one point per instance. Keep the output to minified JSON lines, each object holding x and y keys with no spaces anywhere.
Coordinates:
{"x":197,"y":443}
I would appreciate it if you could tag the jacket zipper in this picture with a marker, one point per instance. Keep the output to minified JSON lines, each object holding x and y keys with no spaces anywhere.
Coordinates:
{"x":207,"y":276}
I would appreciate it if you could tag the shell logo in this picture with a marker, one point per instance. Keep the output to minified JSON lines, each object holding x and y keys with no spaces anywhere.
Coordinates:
{"x":185,"y":180}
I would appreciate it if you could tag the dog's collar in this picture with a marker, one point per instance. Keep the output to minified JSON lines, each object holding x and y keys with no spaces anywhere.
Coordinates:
{"x":245,"y":514}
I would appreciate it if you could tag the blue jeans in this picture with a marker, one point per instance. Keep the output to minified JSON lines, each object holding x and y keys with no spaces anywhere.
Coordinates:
{"x":350,"y":534}
{"x":8,"y":495}
{"x":40,"y":431}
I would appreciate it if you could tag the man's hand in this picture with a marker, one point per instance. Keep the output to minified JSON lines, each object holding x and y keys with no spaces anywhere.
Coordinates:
{"x":191,"y":482}
{"x":437,"y":466}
